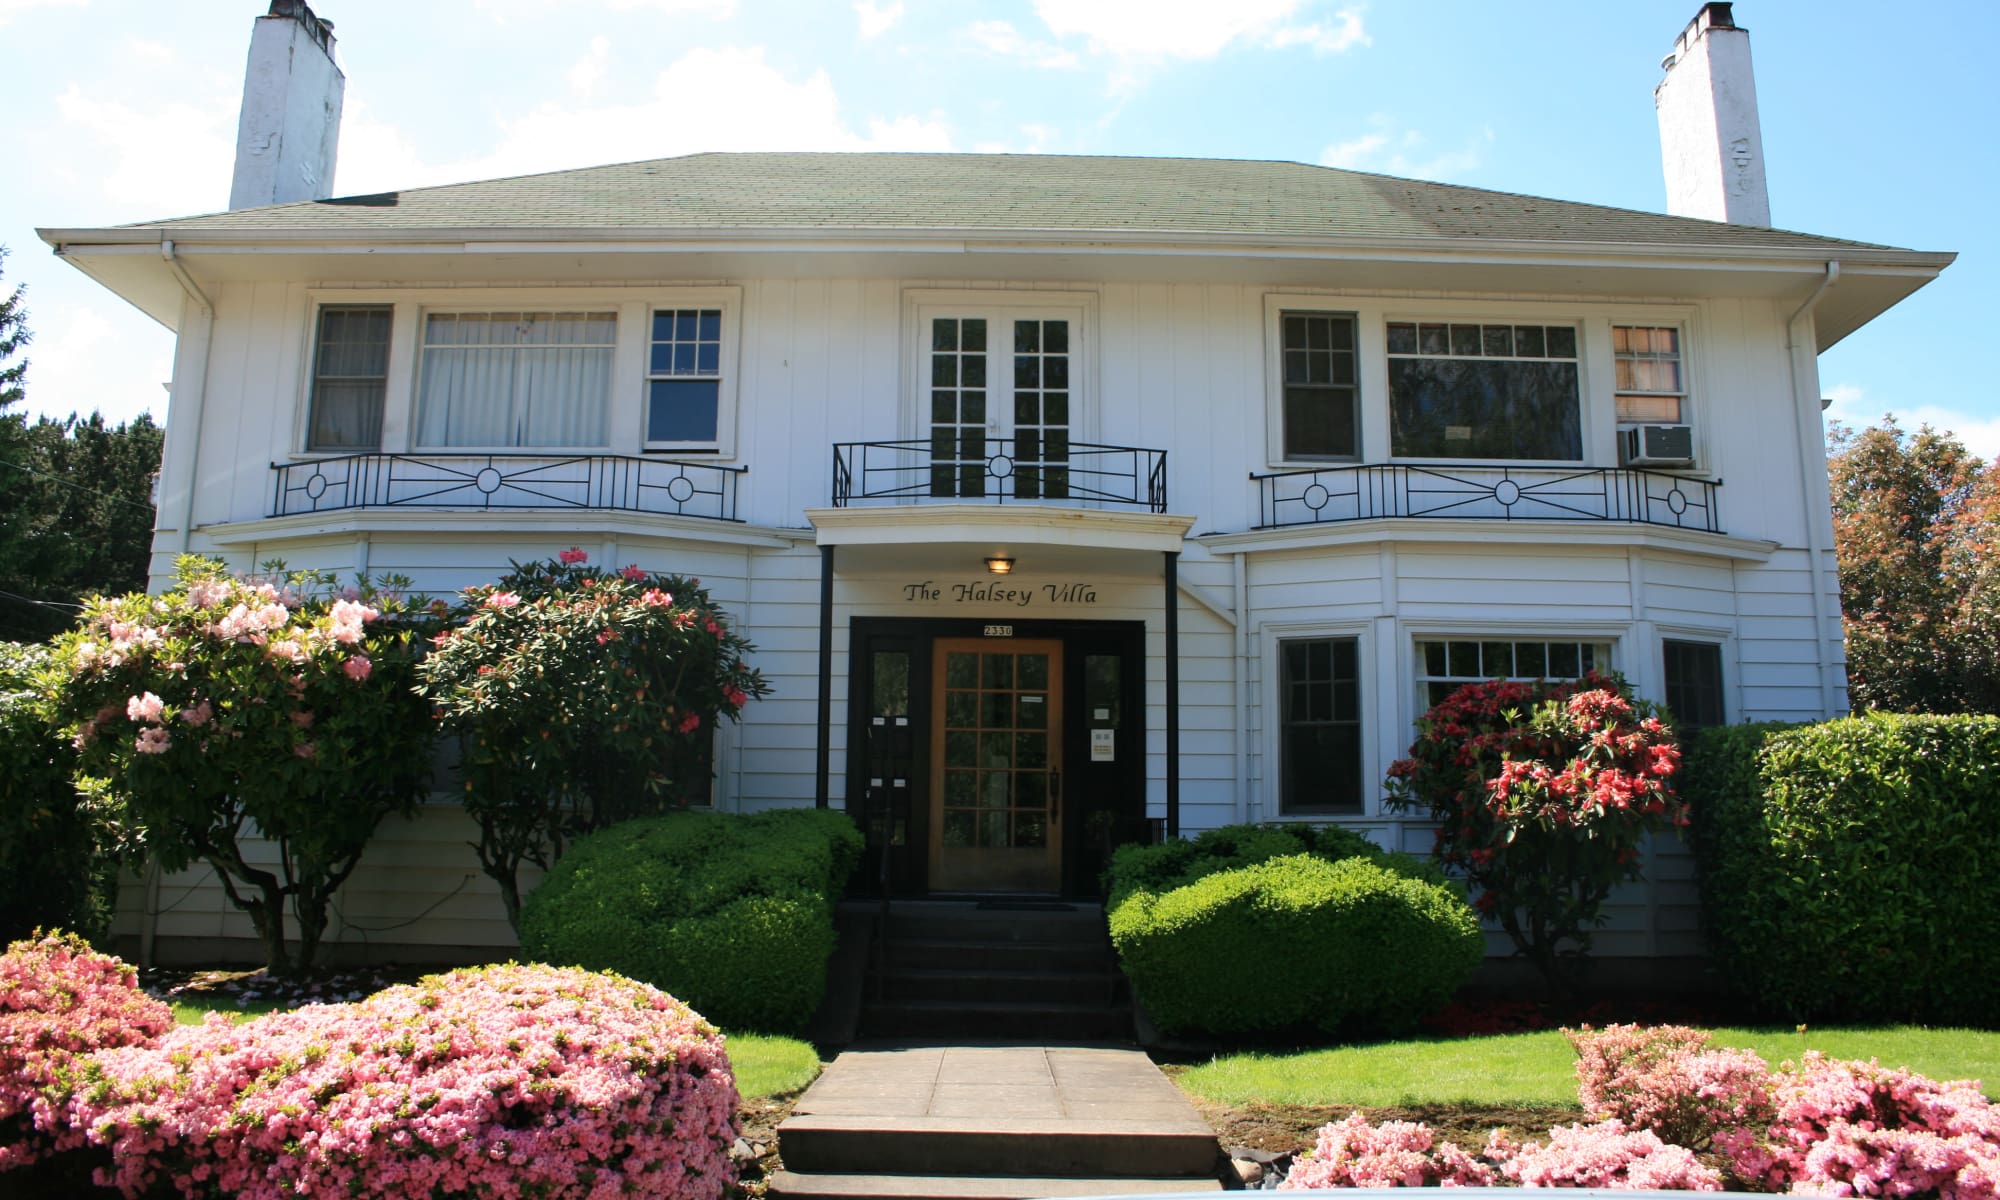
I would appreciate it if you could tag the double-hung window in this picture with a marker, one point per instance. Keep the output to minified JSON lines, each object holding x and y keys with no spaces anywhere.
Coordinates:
{"x":1463,"y":390}
{"x":1319,"y":716}
{"x":350,"y":378}
{"x":1693,"y":683}
{"x":1651,"y":385}
{"x":504,"y":379}
{"x":684,"y":379}
{"x":1321,"y":412}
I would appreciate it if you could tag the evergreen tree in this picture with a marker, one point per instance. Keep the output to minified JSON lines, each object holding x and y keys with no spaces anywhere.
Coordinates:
{"x":13,"y":336}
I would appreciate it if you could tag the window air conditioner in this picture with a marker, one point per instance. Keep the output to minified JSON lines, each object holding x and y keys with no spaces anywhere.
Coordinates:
{"x":1656,"y":446}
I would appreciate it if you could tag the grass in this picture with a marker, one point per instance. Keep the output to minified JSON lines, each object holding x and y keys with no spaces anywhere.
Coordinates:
{"x":765,"y":1065}
{"x":1539,"y":1068}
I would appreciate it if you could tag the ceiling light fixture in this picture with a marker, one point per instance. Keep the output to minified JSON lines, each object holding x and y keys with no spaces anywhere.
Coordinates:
{"x":1000,"y":564}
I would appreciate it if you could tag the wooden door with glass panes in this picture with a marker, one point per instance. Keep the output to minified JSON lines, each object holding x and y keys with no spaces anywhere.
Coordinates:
{"x":996,"y":765}
{"x":999,"y":410}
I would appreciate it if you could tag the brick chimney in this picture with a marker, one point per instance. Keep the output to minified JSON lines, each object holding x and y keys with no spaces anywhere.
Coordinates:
{"x":290,"y":126}
{"x":1709,"y":141}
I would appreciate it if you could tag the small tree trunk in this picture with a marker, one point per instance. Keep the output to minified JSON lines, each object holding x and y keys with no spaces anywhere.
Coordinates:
{"x":266,"y":907}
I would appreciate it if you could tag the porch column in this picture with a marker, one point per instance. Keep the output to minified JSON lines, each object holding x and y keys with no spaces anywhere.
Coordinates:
{"x":1173,"y":655}
{"x":824,"y":759}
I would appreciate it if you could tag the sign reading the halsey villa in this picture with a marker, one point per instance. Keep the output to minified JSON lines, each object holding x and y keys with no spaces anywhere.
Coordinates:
{"x":997,"y":592}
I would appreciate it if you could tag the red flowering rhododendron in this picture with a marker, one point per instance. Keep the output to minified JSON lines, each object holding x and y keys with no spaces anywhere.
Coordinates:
{"x":1542,"y":793}
{"x":585,"y":697}
{"x":60,"y":1000}
{"x":509,"y":1081}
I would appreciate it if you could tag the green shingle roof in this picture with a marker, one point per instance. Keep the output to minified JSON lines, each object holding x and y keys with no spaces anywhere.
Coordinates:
{"x":993,"y":193}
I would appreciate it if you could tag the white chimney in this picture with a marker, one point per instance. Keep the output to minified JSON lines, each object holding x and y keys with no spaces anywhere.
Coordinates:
{"x":286,"y":137}
{"x":1709,"y":141}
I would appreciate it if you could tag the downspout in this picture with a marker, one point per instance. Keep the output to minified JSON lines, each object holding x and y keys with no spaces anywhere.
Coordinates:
{"x":1817,"y":501}
{"x":1240,"y":676}
{"x":190,"y":418}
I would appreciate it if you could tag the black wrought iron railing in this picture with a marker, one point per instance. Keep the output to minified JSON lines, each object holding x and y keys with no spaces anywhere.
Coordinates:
{"x":506,"y":481}
{"x":1075,"y":473}
{"x":1359,"y":493}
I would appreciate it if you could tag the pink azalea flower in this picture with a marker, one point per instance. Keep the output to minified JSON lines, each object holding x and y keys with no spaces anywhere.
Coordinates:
{"x":153,"y":739}
{"x":145,"y":707}
{"x":198,"y":714}
{"x":635,"y":573}
{"x":357,"y":668}
{"x":502,"y":600}
{"x":574,"y":555}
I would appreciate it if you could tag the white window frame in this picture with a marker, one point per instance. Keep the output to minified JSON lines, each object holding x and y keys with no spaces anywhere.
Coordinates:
{"x":1273,"y":636}
{"x":625,"y":424}
{"x":1613,"y":635}
{"x":1453,"y":317}
{"x":425,"y":312}
{"x":1695,"y":382}
{"x":1726,"y":645}
{"x":1275,"y":371}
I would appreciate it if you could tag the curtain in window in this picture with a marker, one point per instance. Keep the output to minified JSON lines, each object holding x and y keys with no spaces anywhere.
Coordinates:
{"x":515,"y":379}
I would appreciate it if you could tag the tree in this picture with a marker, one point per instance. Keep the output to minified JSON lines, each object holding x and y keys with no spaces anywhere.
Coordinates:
{"x":77,"y":517}
{"x":266,"y":708}
{"x":1916,"y":523}
{"x":13,"y":336}
{"x":582,"y":698}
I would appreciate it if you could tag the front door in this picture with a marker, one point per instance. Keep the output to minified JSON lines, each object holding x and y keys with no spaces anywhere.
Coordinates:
{"x":996,"y":765}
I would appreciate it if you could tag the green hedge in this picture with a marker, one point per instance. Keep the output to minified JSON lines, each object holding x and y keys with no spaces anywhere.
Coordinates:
{"x":55,"y":863}
{"x":732,"y":914}
{"x":1851,"y":869}
{"x":1296,"y":943}
{"x":1180,"y":862}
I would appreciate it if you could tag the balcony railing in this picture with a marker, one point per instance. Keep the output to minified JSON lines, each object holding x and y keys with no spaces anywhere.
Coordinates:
{"x":1359,"y":493}
{"x":1083,"y":474}
{"x":506,"y":481}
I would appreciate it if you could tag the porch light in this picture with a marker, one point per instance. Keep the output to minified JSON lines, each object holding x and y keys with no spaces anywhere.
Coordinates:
{"x":1000,"y":564}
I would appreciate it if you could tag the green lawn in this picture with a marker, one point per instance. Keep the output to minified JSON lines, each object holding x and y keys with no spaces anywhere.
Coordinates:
{"x":765,"y":1065}
{"x":1539,"y":1068}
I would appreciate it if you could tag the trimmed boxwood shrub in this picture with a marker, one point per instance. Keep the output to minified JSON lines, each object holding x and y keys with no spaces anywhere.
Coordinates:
{"x":1297,"y":943}
{"x":1179,"y":862}
{"x":733,"y":914}
{"x":1851,"y":869}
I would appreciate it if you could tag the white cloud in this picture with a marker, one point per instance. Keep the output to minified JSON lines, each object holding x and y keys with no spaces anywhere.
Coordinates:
{"x":586,"y":78}
{"x":158,"y":158}
{"x":9,"y":9}
{"x":102,"y":365}
{"x":1852,"y":408}
{"x":506,"y":11}
{"x":1194,"y":29}
{"x":1002,"y":39}
{"x":1406,"y":152}
{"x":768,"y":111}
{"x":877,"y":19}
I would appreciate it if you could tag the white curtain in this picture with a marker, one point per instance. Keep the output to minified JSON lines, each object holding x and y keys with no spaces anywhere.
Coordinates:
{"x":515,"y":379}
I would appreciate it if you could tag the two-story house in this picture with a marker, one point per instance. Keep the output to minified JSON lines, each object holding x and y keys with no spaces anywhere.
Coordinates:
{"x":1065,"y":498}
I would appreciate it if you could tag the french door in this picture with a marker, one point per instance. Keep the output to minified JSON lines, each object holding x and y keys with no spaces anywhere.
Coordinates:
{"x":996,"y":765}
{"x":999,"y":403}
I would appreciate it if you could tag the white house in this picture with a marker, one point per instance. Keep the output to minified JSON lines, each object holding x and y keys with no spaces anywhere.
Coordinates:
{"x":1063,"y":497}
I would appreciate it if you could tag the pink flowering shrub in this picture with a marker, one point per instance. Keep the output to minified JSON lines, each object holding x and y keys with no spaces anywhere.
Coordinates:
{"x":509,"y":1081}
{"x":226,"y":703}
{"x":1353,"y":1153}
{"x":1667,"y":1079}
{"x":584,"y":697}
{"x":1542,"y":793}
{"x":1853,"y":1128}
{"x":1604,"y":1155}
{"x":59,"y":999}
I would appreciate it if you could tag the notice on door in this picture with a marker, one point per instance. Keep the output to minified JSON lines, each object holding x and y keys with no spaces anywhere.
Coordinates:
{"x":1102,"y":745}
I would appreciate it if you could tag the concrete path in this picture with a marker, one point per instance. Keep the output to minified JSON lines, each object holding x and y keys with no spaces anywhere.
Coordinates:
{"x":993,"y":1121}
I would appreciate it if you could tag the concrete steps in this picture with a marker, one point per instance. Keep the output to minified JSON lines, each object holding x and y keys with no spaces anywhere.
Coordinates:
{"x":1040,"y":971}
{"x":992,"y":1122}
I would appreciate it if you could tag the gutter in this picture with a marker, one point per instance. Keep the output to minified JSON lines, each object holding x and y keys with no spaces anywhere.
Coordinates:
{"x":1814,"y":491}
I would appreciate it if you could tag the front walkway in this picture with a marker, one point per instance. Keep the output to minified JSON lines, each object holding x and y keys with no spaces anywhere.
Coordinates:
{"x":993,"y":1121}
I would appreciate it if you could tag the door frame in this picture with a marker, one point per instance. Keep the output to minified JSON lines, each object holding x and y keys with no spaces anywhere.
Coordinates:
{"x":1117,"y":788}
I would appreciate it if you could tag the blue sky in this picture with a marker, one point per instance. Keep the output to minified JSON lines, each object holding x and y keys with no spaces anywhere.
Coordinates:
{"x":1876,"y":124}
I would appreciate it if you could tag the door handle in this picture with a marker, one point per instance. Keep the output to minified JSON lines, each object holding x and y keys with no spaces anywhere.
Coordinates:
{"x":1055,"y":795}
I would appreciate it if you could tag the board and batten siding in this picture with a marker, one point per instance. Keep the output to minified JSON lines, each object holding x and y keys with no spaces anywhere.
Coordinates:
{"x":1178,"y":366}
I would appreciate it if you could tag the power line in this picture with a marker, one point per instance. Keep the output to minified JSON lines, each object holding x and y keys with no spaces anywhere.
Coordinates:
{"x":40,"y":603}
{"x":57,"y":479}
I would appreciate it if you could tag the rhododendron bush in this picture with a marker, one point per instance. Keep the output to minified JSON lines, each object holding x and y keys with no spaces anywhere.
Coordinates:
{"x":59,"y":1000}
{"x":227,"y":708}
{"x":509,"y":1081}
{"x":583,"y":697}
{"x":1542,"y":793}
{"x":1822,"y":1127}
